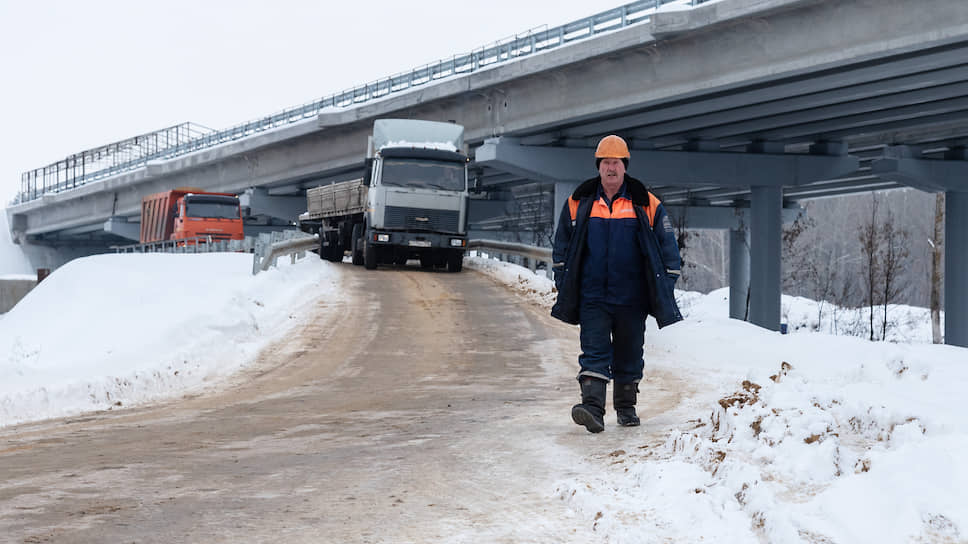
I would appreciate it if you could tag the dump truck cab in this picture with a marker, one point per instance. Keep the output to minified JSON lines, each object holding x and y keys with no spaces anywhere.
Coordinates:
{"x":214,"y":215}
{"x":190,"y":215}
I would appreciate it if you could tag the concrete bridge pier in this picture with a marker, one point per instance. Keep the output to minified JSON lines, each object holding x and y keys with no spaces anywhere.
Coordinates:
{"x":765,"y":250}
{"x":739,"y":273}
{"x":956,"y":268}
{"x":286,"y":208}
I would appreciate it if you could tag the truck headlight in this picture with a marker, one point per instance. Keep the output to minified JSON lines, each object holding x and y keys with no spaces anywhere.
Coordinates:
{"x":457,"y":242}
{"x":382,"y":237}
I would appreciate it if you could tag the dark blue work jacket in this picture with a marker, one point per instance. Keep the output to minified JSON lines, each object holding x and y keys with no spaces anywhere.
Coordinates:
{"x":595,"y":255}
{"x":613,"y":266}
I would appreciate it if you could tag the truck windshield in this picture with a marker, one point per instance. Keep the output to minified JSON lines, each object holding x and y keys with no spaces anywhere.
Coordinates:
{"x":424,"y":174}
{"x":222,"y":208}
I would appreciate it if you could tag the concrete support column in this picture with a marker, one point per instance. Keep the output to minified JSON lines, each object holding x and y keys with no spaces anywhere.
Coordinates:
{"x":563,"y":190}
{"x":739,"y":272}
{"x":956,"y":269}
{"x":765,"y":250}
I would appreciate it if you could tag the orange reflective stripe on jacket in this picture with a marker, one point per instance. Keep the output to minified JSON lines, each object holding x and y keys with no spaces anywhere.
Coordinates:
{"x":651,"y":209}
{"x":573,"y":208}
{"x":621,"y":208}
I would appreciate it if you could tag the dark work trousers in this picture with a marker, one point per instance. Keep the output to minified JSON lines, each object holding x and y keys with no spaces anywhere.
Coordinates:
{"x":612,"y":338}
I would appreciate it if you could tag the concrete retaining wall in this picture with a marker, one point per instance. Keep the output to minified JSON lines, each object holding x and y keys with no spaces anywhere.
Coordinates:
{"x":12,"y":291}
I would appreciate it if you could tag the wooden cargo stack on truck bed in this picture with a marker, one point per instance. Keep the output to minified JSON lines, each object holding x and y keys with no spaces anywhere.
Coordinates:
{"x":346,"y":198}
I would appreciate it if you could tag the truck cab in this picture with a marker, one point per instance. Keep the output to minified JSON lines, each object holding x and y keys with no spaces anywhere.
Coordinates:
{"x":191,"y":215}
{"x":214,"y":215}
{"x":417,"y":197}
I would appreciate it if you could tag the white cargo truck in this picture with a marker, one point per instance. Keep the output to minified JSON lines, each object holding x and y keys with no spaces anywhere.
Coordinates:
{"x":410,"y":204}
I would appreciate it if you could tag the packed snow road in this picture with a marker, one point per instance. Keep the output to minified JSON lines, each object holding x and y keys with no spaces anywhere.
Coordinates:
{"x":412,"y":407}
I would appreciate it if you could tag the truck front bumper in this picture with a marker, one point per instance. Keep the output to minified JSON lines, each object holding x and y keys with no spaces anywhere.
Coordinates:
{"x":418,"y":240}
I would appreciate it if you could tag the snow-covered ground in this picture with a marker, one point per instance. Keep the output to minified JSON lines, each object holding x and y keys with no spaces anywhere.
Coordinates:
{"x":125,"y":329}
{"x":806,"y":437}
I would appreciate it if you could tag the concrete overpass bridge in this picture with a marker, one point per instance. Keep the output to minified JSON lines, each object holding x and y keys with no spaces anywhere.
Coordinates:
{"x":735,"y":110}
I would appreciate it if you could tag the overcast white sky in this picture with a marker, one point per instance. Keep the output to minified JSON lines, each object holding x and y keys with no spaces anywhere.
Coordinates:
{"x":78,"y":75}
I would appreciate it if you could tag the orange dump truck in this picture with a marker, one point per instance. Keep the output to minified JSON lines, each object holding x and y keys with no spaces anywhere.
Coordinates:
{"x":184,"y":214}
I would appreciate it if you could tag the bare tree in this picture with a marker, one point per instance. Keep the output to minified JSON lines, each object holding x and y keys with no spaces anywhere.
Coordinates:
{"x":842,"y":296}
{"x":936,"y":242}
{"x":823,"y":277}
{"x":892,"y":254}
{"x":798,"y":254}
{"x":682,"y":240}
{"x":870,"y":248}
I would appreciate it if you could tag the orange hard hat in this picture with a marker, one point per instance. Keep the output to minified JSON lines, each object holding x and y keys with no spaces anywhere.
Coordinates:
{"x":612,"y":147}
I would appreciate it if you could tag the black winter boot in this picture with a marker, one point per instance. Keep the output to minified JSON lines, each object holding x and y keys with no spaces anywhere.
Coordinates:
{"x":591,"y":411}
{"x":623,"y":399}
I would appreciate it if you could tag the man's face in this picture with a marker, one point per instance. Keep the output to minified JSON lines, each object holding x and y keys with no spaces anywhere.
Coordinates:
{"x":613,"y":173}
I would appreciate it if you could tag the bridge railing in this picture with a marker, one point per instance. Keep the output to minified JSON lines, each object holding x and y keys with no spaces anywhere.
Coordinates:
{"x":136,"y":152}
{"x":194,"y":244}
{"x":107,"y":160}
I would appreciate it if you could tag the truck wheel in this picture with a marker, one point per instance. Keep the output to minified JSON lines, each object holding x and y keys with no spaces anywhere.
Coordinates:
{"x":334,"y":252}
{"x":455,"y":262}
{"x":322,"y":247}
{"x":369,"y":255}
{"x":355,"y":240}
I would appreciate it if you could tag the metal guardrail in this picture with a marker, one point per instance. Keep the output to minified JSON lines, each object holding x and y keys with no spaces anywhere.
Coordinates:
{"x":270,"y":249}
{"x":194,"y":244}
{"x":535,"y":254}
{"x":265,"y":248}
{"x":540,"y":254}
{"x":271,"y":246}
{"x":63,"y":174}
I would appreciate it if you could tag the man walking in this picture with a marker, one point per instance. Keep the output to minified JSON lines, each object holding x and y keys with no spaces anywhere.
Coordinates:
{"x":616,"y":262}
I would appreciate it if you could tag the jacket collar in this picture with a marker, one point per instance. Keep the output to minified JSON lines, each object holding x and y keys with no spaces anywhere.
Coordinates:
{"x":634,"y":189}
{"x":622,"y":192}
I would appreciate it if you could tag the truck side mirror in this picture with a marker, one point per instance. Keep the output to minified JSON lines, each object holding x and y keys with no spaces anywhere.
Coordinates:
{"x":367,"y":171}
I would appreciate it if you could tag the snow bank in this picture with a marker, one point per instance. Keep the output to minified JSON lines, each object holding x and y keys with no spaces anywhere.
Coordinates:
{"x":117,"y":330}
{"x":805,"y":437}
